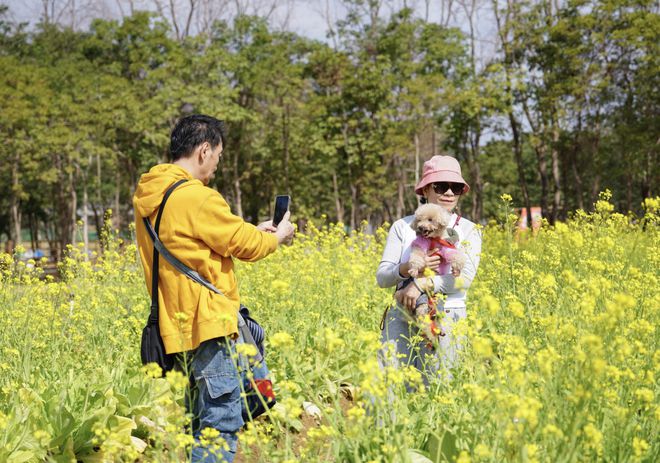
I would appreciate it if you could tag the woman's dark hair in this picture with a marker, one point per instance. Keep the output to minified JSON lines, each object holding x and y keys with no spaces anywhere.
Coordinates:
{"x":192,"y":131}
{"x":423,"y":200}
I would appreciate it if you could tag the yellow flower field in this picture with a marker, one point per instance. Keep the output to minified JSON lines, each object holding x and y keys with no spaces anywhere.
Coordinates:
{"x":560,"y":359}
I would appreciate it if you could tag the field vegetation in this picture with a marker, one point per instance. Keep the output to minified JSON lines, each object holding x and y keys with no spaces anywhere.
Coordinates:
{"x":560,"y":359}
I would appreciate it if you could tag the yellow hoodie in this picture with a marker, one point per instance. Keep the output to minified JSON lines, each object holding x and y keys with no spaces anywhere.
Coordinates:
{"x":199,"y":229}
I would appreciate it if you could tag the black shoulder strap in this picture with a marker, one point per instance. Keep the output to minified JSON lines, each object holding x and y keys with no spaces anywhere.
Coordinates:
{"x":176,"y":263}
{"x":154,"y":268}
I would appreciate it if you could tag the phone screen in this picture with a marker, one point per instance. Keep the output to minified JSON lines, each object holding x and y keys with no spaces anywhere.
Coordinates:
{"x":281,"y":206}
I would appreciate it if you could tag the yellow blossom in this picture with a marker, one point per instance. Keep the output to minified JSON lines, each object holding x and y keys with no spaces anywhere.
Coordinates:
{"x":247,"y":349}
{"x":482,"y":347}
{"x":280,"y":340}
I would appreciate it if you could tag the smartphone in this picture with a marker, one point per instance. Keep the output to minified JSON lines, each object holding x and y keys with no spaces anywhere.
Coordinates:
{"x":281,"y":206}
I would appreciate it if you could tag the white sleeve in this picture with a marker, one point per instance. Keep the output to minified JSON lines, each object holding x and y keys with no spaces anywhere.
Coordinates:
{"x":471,"y":245}
{"x":387,"y":274}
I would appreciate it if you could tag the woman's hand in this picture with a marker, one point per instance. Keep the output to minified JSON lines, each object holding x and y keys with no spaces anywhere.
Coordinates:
{"x":431,"y":260}
{"x":407,"y":296}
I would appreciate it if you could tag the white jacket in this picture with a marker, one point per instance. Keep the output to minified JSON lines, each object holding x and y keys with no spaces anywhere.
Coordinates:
{"x":397,"y":251}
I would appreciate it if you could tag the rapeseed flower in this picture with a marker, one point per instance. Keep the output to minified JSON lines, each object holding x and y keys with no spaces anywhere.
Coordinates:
{"x":482,"y":347}
{"x":482,"y":452}
{"x":640,"y":448}
{"x":594,"y":438}
{"x":153,"y":370}
{"x":177,"y":380}
{"x":463,"y":457}
{"x":247,"y":349}
{"x":570,"y":323}
{"x":280,"y":340}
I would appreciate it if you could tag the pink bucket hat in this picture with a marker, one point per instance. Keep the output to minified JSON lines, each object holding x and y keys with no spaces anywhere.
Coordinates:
{"x":441,"y":169}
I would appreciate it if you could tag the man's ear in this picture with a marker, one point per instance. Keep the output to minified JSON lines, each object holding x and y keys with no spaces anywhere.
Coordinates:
{"x":202,"y":152}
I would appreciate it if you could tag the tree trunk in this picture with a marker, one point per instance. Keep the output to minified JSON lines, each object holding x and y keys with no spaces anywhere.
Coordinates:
{"x":98,"y":220}
{"x":62,"y":202}
{"x":237,"y":194}
{"x":578,"y":181}
{"x":351,"y":183}
{"x":579,"y":192}
{"x":74,"y":206}
{"x":15,"y":205}
{"x":16,"y":221}
{"x":53,"y":242}
{"x":595,"y":189}
{"x":85,"y":219}
{"x":517,"y":152}
{"x":354,"y":197}
{"x":417,"y":156}
{"x":650,"y":174}
{"x":629,"y":190}
{"x":339,"y":207}
{"x":556,"y":175}
{"x":34,"y":231}
{"x":98,"y":224}
{"x":354,"y":206}
{"x":400,"y":186}
{"x":285,"y":143}
{"x":116,"y":216}
{"x":238,"y":200}
{"x":508,"y":46}
{"x":542,"y":166}
{"x":475,"y":173}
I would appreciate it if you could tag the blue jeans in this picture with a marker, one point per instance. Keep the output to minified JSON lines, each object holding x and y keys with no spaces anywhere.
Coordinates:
{"x":398,"y":329}
{"x":216,"y":399}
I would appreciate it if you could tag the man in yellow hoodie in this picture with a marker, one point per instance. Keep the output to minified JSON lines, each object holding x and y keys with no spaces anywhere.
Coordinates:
{"x":198,"y":228}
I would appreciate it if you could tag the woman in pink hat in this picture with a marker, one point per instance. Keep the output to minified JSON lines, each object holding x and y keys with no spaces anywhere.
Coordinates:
{"x":442,"y":184}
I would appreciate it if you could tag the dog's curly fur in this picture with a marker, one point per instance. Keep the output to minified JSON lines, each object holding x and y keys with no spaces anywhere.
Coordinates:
{"x":431,"y":221}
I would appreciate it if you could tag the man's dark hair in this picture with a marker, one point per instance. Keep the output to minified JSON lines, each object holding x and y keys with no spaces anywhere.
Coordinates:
{"x":192,"y":131}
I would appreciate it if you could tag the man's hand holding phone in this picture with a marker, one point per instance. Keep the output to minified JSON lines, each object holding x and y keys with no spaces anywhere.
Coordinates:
{"x":285,"y":230}
{"x":280,"y":225}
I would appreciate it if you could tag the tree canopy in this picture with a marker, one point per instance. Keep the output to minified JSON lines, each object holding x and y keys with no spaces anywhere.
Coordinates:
{"x":567,"y":106}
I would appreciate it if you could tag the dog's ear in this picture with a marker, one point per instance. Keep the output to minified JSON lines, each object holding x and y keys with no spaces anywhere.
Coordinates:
{"x":443,"y":217}
{"x":414,"y":223}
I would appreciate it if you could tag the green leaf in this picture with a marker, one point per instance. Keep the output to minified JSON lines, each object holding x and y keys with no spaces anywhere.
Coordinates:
{"x":67,"y":455}
{"x":417,"y":456}
{"x":442,"y":446}
{"x":22,"y":456}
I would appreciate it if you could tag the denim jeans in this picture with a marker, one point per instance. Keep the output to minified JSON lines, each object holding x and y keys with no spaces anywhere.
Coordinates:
{"x":216,"y":400}
{"x":398,"y":329}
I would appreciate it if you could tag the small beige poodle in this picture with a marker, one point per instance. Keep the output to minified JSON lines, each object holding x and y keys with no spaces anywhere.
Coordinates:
{"x":431,"y":224}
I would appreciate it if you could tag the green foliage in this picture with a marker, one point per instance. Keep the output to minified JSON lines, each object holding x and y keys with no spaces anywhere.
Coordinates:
{"x":559,"y":354}
{"x":340,"y":128}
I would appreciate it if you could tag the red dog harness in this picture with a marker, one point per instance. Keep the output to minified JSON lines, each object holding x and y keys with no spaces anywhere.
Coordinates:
{"x":433,"y":312}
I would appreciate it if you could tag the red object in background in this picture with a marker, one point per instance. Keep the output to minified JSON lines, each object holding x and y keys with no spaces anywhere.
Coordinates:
{"x":536,"y":218}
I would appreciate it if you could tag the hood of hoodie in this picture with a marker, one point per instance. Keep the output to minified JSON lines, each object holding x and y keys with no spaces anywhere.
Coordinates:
{"x":152,"y":186}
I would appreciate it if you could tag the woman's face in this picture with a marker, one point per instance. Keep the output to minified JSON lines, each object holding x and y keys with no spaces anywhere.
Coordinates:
{"x":447,"y":199}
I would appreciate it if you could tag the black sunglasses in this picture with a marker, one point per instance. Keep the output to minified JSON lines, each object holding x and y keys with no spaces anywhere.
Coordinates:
{"x":442,"y":187}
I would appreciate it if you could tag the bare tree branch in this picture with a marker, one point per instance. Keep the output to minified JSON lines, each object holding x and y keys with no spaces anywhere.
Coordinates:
{"x":190,"y":16}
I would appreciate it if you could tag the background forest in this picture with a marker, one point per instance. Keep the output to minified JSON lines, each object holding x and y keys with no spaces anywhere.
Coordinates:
{"x":566,"y":105}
